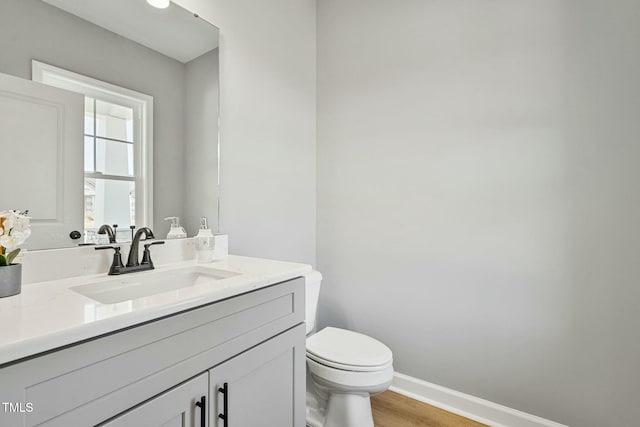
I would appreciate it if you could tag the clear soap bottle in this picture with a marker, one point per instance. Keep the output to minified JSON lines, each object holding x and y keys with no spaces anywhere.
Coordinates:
{"x":205,"y":242}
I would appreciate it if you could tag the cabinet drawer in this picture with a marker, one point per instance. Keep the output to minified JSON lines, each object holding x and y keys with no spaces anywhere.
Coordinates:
{"x":97,"y":379}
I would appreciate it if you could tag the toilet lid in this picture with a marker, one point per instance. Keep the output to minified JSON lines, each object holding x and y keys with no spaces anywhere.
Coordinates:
{"x":348,"y":348}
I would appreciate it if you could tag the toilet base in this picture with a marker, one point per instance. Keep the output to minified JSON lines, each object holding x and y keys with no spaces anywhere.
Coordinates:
{"x":335,"y":409}
{"x":342,"y":410}
{"x":349,"y":410}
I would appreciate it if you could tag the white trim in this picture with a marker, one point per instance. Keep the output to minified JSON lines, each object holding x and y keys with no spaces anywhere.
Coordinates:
{"x":143,"y":103}
{"x":480,"y":410}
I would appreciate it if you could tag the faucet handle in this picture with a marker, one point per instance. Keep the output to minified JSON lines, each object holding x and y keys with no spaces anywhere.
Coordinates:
{"x":146,"y":255}
{"x":155,"y":242}
{"x":116,"y":264}
{"x":115,"y":248}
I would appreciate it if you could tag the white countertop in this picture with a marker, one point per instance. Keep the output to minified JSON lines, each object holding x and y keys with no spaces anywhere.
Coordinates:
{"x":48,"y":315}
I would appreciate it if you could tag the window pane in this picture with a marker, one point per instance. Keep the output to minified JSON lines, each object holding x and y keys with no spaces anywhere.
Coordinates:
{"x":114,"y":121}
{"x":88,"y":154}
{"x":114,"y":158}
{"x":88,"y":116}
{"x":109,"y":202}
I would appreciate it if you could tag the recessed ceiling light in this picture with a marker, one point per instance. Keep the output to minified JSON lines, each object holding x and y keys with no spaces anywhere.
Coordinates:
{"x":160,"y":4}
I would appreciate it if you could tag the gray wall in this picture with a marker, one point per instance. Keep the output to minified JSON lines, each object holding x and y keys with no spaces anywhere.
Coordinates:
{"x":267,"y":166}
{"x":201,"y":141}
{"x":31,"y":29}
{"x":478,"y":195}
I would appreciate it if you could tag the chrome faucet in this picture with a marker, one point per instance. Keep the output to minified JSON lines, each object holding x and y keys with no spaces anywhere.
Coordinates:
{"x":132,"y":263}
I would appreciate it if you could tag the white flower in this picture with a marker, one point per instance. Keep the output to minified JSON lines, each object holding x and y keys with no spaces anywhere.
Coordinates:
{"x":21,"y":223}
{"x":9,"y":220}
{"x":15,"y":230}
{"x":11,"y":242}
{"x":19,"y":236}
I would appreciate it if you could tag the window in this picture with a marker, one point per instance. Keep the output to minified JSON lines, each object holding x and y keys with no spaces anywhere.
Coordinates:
{"x":117,"y":149}
{"x":109,"y":163}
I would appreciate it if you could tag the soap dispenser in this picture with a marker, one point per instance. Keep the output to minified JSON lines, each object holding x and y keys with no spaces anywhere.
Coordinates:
{"x":204,"y":242}
{"x":176,"y":231}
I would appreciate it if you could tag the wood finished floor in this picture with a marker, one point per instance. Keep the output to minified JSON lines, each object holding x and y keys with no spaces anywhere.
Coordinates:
{"x":395,"y":410}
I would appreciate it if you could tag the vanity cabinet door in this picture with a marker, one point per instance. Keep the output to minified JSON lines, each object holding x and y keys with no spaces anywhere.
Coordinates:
{"x":264,"y":386}
{"x":182,"y":406}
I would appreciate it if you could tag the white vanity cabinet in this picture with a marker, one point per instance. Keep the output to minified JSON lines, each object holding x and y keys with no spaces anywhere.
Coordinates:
{"x":154,"y":374}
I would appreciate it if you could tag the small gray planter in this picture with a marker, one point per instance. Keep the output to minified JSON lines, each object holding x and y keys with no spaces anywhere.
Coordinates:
{"x":10,"y":280}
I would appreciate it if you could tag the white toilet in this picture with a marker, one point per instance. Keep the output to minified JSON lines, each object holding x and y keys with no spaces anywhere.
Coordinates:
{"x":344,"y":369}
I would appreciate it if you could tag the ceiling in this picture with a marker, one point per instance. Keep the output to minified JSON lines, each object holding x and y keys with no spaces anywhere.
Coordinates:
{"x":174,"y":31}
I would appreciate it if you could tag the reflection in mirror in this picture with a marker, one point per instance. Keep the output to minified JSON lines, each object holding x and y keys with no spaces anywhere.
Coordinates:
{"x":112,"y":110}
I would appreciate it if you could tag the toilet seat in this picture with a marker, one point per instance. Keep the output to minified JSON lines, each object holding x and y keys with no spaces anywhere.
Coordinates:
{"x":339,"y":380}
{"x":343,"y":367}
{"x":349,"y":351}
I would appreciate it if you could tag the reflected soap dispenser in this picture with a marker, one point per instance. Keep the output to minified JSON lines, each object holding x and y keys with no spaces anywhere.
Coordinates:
{"x":176,"y":231}
{"x":205,"y":242}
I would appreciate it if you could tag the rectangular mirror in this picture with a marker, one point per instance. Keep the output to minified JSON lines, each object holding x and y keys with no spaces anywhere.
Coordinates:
{"x":109,"y":115}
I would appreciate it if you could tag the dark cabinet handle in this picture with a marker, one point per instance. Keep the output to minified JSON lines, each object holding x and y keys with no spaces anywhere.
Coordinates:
{"x":224,"y":416}
{"x":202,"y":404}
{"x":75,"y":235}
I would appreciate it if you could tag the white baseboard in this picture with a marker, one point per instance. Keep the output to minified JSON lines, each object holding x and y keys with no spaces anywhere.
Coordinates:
{"x":466,"y":405}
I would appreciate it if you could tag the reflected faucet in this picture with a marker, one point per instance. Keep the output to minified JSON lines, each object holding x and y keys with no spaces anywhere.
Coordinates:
{"x":135,"y":243}
{"x":110,"y":231}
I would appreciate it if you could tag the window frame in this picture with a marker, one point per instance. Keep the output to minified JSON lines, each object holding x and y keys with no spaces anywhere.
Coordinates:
{"x":142,"y":105}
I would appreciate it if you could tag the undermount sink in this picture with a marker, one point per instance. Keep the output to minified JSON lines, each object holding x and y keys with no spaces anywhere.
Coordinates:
{"x":139,"y":285}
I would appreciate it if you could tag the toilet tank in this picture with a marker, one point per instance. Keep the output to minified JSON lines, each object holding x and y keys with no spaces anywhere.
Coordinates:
{"x":312,"y":283}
